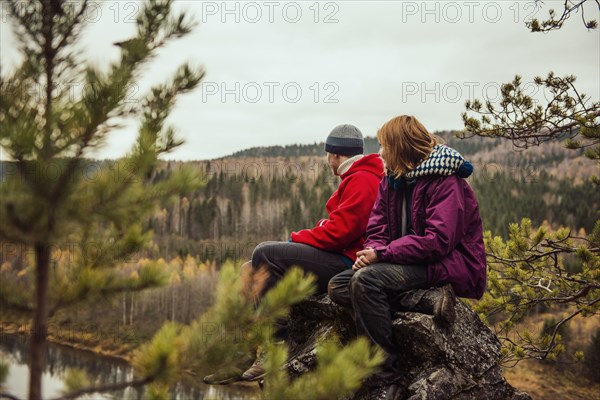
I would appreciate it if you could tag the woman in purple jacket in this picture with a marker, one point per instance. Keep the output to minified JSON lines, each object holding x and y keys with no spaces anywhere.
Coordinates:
{"x":424,"y":232}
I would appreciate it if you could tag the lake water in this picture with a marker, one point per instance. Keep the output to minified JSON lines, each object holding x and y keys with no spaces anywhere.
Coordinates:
{"x":101,"y":370}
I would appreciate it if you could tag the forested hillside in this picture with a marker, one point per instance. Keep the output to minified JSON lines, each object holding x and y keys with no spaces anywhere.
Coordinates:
{"x":265,"y":193}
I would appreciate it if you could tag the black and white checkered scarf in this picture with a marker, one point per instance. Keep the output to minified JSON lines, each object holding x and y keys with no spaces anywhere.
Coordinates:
{"x":444,"y":161}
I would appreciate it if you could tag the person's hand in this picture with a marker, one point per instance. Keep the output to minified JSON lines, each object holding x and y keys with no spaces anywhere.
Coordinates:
{"x":365,"y":257}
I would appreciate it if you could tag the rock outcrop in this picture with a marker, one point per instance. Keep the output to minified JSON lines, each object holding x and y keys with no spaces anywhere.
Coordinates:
{"x":458,"y":362}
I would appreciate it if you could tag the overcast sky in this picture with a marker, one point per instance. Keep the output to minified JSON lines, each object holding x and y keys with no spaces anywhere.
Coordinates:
{"x":287,"y":72}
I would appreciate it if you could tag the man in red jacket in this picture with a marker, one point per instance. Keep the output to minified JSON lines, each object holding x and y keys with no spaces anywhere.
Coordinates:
{"x":329,"y":247}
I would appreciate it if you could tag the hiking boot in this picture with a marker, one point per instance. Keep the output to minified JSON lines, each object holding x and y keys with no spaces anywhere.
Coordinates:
{"x":444,"y":311}
{"x":257,"y":371}
{"x":232,"y":373}
{"x":439,"y":302}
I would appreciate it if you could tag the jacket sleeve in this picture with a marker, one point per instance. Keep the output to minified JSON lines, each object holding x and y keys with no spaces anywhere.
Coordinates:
{"x":378,"y":229}
{"x":444,"y":216}
{"x":347,"y":223}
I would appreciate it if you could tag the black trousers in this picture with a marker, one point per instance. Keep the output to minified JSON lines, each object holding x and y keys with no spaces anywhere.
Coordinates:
{"x":279,"y":257}
{"x":374,"y":293}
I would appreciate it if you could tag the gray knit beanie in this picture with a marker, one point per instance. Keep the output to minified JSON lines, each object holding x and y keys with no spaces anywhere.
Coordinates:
{"x":346,"y":140}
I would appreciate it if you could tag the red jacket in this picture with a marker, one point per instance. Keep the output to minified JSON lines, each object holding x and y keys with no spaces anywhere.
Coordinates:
{"x":349,"y":208}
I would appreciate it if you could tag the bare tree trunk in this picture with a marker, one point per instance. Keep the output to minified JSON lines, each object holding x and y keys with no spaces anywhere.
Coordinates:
{"x":131,"y":309}
{"x":188,"y":318}
{"x":40,"y":321}
{"x":124,"y":308}
{"x":173,"y":304}
{"x":162,"y":307}
{"x":42,"y":248}
{"x":180,"y":217}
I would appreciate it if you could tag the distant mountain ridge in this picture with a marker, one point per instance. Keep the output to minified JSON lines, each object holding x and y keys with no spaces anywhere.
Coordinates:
{"x":465,"y":146}
{"x":488,"y":153}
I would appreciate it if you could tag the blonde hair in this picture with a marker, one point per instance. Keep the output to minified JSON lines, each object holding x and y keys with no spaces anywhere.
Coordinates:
{"x":406,"y":143}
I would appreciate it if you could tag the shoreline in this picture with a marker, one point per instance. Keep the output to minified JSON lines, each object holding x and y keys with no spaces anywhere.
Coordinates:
{"x":81,"y":342}
{"x":103,"y":348}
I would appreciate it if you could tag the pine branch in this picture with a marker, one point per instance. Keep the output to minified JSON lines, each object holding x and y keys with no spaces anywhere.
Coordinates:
{"x":584,"y":291}
{"x":24,"y":16}
{"x":552,"y":23}
{"x":543,"y":353}
{"x":135,"y":52}
{"x":523,"y":122}
{"x":70,"y":29}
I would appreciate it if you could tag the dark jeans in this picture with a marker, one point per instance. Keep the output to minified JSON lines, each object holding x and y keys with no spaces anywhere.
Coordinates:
{"x":374,"y":293}
{"x":279,"y":257}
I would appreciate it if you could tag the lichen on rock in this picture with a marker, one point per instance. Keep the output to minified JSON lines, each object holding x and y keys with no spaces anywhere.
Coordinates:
{"x":456,"y":362}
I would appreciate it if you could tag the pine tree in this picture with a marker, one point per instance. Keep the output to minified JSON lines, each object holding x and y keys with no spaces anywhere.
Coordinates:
{"x":530,"y":269}
{"x":234,"y":326}
{"x":568,"y":113}
{"x":52,"y":196}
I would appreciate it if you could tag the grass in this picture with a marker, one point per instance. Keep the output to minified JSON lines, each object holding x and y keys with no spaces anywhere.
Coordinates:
{"x":561,"y":379}
{"x":551,"y":382}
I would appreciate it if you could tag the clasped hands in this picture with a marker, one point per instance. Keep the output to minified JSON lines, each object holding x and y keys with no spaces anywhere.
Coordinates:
{"x":365,"y":257}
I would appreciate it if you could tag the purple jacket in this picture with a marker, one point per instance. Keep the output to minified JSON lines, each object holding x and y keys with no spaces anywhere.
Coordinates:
{"x":448,"y":238}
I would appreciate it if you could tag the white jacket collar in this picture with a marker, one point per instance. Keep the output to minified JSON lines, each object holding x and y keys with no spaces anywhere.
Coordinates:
{"x":345,"y":166}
